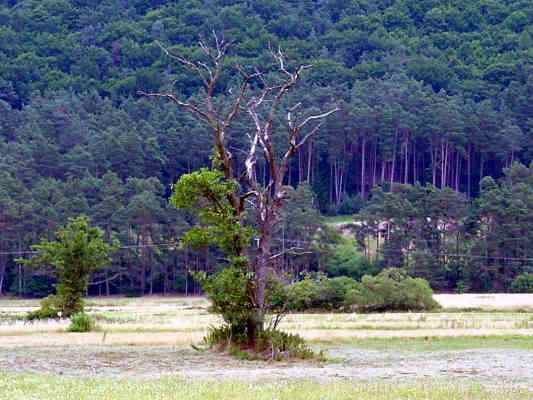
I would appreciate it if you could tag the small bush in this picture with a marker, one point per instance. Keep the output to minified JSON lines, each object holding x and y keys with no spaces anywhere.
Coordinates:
{"x":278,"y":345}
{"x":302,"y":295}
{"x":320,"y":293}
{"x":81,"y":322}
{"x":271,"y":345}
{"x":50,"y":309}
{"x":393,"y":290}
{"x":523,"y":283}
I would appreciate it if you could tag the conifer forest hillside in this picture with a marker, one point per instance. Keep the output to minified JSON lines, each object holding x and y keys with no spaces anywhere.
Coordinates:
{"x":428,"y":161}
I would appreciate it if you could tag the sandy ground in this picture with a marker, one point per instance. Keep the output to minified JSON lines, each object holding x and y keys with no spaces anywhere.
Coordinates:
{"x":131,"y":346}
{"x":488,"y":366}
{"x":496,"y":301}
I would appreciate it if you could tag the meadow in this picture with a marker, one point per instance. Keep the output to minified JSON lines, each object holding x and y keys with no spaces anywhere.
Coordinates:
{"x":476,"y":347}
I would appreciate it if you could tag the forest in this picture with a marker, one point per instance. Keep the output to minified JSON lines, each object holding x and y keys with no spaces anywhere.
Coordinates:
{"x":429,"y":156}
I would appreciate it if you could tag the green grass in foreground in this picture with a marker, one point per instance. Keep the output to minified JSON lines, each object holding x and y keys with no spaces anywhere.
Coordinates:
{"x":438,"y":343}
{"x":15,"y":387}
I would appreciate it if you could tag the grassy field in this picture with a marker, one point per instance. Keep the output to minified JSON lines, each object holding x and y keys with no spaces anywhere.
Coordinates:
{"x":190,"y":316}
{"x":15,"y":387}
{"x":476,"y":347}
{"x":444,"y":343}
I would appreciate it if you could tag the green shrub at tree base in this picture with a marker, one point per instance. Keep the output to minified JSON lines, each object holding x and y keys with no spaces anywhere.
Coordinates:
{"x":228,"y":290}
{"x":230,"y":295}
{"x":271,"y":344}
{"x":523,"y":283}
{"x":50,"y":308}
{"x":81,"y":322}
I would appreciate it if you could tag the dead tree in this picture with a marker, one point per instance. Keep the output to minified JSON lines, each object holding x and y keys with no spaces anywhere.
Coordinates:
{"x":263,"y":106}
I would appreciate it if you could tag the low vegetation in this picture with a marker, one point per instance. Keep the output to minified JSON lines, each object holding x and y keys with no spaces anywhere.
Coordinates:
{"x":431,"y":344}
{"x":523,"y":283}
{"x":56,"y":388}
{"x":81,"y":322}
{"x":390,"y":290}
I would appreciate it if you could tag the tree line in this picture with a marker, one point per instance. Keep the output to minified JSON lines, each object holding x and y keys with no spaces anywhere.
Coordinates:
{"x":427,"y":93}
{"x":455,"y":244}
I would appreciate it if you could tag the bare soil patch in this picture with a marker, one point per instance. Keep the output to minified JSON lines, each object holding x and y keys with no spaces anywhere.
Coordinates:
{"x":509,"y":367}
{"x":487,"y":301}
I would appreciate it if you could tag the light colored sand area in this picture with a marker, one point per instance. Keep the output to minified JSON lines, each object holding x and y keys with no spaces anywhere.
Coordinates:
{"x":494,"y":367}
{"x":492,"y":301}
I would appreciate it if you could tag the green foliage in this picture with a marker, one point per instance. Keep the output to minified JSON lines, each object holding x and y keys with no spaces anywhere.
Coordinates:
{"x":271,"y":344}
{"x":229,"y":291}
{"x":78,"y":250}
{"x":523,"y":283}
{"x":430,"y":93}
{"x":303,"y":295}
{"x":393,"y":290}
{"x":320,"y":293}
{"x":350,"y":205}
{"x":40,"y":286}
{"x":81,"y":322}
{"x":345,"y":260}
{"x":51,"y":307}
{"x":205,"y":193}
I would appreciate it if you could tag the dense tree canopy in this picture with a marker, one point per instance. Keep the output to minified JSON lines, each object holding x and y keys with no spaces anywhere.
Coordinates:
{"x":433,"y":92}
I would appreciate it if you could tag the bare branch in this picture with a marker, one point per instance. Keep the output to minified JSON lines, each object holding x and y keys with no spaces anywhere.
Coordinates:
{"x":298,"y":251}
{"x":189,"y":106}
{"x":306,"y":137}
{"x":240,"y":97}
{"x":245,"y":198}
{"x":110,"y":279}
{"x":318,"y":116}
{"x":185,"y":62}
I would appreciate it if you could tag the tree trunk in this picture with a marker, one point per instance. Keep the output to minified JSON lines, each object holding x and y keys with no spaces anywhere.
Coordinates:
{"x":457,"y":170}
{"x":309,"y":160}
{"x":375,"y":164}
{"x":469,"y":171}
{"x":481,"y":165}
{"x":406,"y":163}
{"x":2,"y":275}
{"x":262,"y":263}
{"x":363,"y":172}
{"x":393,"y":166}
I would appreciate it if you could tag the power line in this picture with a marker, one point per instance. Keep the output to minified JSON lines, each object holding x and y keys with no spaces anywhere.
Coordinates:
{"x":174,"y":245}
{"x":132,"y":246}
